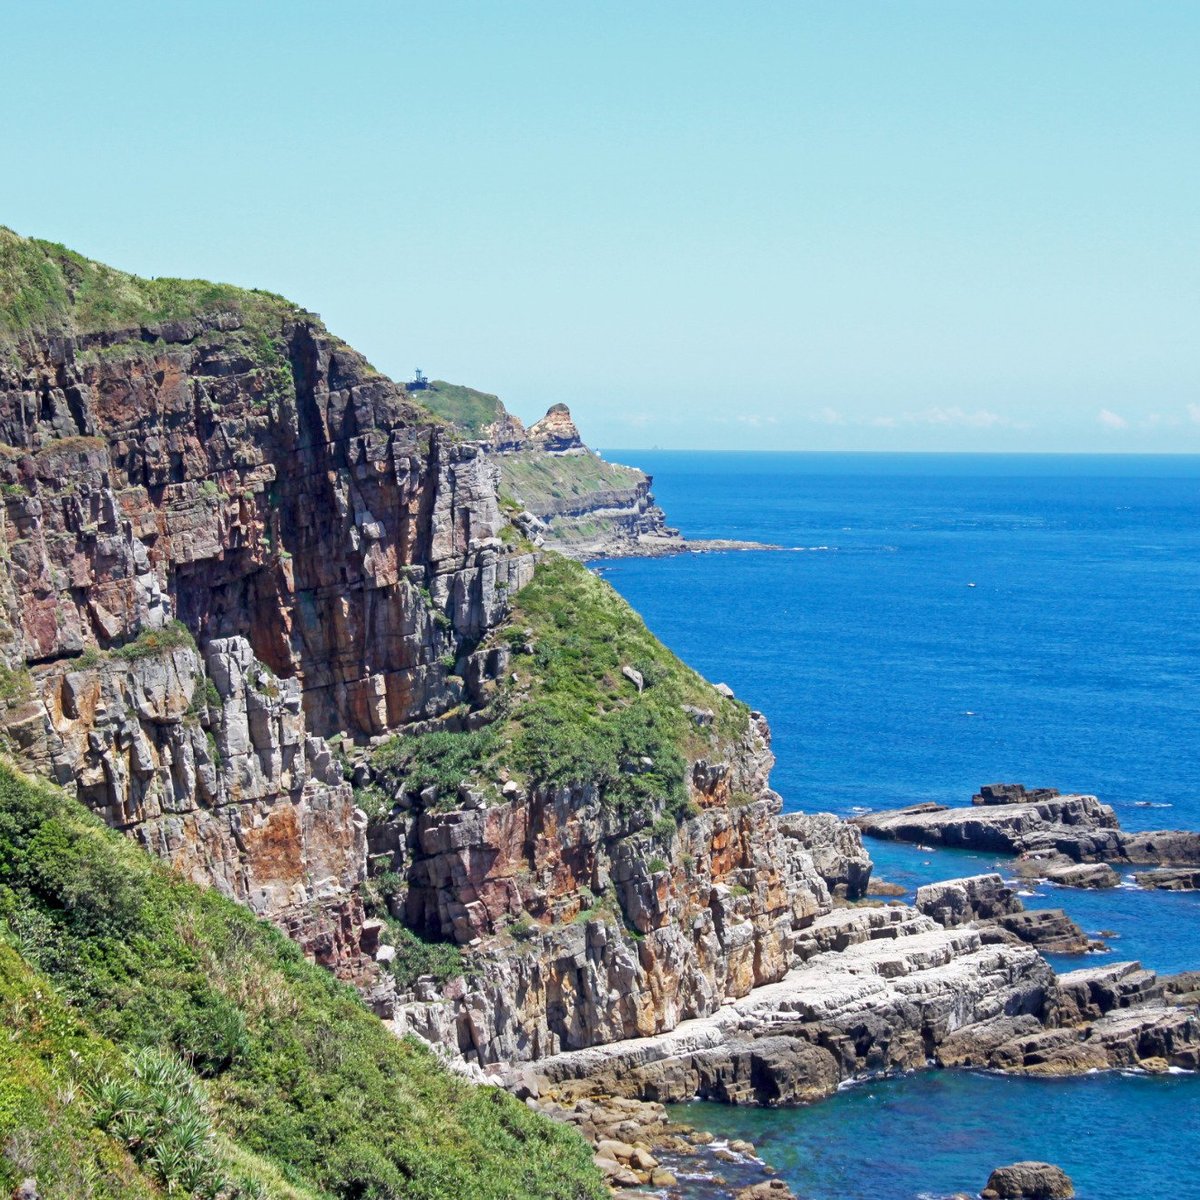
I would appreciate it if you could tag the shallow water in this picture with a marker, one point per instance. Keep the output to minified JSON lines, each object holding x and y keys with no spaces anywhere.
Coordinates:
{"x":940,"y":1132}
{"x":1073,"y":661}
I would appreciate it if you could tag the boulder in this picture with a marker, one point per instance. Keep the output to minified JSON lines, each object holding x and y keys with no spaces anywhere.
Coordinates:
{"x":1168,"y":880}
{"x":1029,"y":1181}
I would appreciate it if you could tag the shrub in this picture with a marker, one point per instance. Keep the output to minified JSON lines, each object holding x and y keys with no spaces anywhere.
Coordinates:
{"x":174,"y":635}
{"x":307,"y":1083}
{"x":417,"y":956}
{"x":438,"y":759}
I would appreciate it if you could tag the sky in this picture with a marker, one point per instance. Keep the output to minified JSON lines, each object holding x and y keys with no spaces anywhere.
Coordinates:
{"x":933,"y":225}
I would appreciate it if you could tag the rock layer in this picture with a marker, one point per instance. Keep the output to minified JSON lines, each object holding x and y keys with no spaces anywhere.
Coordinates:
{"x":1005,"y":820}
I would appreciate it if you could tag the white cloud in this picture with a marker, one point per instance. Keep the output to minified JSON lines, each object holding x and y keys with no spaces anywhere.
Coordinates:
{"x":980,"y":419}
{"x":755,"y":420}
{"x":829,"y":416}
{"x":1111,"y":420}
{"x":953,"y":417}
{"x":1193,"y":411}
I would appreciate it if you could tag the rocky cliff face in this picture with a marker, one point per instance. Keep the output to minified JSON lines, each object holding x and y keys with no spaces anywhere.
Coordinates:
{"x":594,"y":930}
{"x":226,"y":539}
{"x":237,"y":561}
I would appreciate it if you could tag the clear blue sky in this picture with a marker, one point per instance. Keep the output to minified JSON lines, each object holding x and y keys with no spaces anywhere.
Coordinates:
{"x":924,"y":225}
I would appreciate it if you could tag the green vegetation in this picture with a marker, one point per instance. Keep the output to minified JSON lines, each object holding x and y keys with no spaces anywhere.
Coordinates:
{"x":572,"y":717}
{"x":44,"y":286}
{"x":541,"y":482}
{"x":417,"y":956}
{"x":469,"y":411}
{"x":174,"y":635}
{"x":437,"y":759}
{"x":114,"y":972}
{"x":15,"y":684}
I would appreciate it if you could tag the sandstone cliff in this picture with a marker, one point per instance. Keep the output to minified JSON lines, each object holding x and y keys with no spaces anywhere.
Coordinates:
{"x":274,"y":620}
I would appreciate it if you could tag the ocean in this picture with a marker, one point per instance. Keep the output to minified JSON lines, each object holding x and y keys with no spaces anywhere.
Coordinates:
{"x":936,"y":622}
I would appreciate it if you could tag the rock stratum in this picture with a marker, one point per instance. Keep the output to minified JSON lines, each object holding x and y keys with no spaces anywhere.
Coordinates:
{"x":266,"y":615}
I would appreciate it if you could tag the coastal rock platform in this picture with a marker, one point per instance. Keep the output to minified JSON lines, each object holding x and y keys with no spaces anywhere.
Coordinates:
{"x":1039,"y":826}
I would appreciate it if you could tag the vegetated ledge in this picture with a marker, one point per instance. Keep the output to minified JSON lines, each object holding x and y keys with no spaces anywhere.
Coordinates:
{"x":160,"y":1038}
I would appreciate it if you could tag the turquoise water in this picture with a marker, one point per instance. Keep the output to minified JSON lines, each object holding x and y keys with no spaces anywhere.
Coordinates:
{"x":1073,"y":662}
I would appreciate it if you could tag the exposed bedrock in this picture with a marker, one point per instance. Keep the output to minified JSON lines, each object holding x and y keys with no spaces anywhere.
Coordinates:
{"x":988,"y":903}
{"x":874,"y":989}
{"x":1006,"y":820}
{"x":1169,"y":880}
{"x":888,"y":990}
{"x":589,"y":930}
{"x":330,"y":553}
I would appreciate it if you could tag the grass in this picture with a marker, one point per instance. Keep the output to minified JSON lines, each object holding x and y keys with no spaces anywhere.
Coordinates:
{"x":174,"y":635}
{"x":571,"y":717}
{"x":46,"y":287}
{"x":15,"y":684}
{"x":543,"y":482}
{"x":295,"y":1084}
{"x":469,"y":411}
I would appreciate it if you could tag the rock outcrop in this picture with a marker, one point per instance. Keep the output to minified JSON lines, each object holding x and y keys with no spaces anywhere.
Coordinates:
{"x":592,"y":932}
{"x":1168,"y":880}
{"x":873,"y":990}
{"x":572,"y":499}
{"x":987,"y":903}
{"x":555,"y":433}
{"x":1005,"y":819}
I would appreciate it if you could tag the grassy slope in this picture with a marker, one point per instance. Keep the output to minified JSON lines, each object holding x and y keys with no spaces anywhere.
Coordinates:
{"x":46,"y":287}
{"x":309,"y":1094}
{"x":468,"y":410}
{"x":571,"y":716}
{"x":537,"y":480}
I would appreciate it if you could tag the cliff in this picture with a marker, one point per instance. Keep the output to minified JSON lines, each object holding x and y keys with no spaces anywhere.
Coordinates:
{"x":226,"y":540}
{"x":581,"y":505}
{"x":160,"y":1041}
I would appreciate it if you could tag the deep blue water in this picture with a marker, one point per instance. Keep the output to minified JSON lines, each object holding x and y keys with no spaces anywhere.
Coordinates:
{"x":1073,"y":662}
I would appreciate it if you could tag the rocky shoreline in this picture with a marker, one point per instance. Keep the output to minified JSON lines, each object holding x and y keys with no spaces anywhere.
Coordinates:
{"x":1071,"y":840}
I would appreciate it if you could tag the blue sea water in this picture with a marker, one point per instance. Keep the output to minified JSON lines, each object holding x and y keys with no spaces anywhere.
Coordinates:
{"x":937,"y":622}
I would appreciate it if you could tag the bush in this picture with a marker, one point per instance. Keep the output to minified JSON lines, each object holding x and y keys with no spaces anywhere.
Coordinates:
{"x":437,"y":759}
{"x":417,"y":956}
{"x":174,"y":635}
